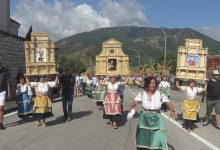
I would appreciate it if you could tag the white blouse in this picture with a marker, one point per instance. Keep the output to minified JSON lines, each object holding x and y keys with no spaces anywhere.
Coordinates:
{"x":88,"y":81}
{"x":164,"y":84}
{"x":190,"y":94}
{"x":100,"y":81}
{"x":43,"y":87}
{"x":22,"y":88}
{"x":113,"y":87}
{"x":156,"y":100}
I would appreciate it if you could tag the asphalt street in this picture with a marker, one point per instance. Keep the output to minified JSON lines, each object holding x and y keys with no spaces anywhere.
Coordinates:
{"x":88,"y":130}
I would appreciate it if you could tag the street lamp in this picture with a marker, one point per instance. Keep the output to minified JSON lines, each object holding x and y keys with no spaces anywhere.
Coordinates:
{"x":165,"y":44}
{"x":57,"y":57}
{"x":165,"y":40}
{"x":138,"y":54}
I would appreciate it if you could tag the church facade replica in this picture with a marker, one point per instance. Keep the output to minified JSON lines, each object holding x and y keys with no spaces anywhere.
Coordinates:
{"x":40,"y":55}
{"x":112,"y":59}
{"x":192,"y":60}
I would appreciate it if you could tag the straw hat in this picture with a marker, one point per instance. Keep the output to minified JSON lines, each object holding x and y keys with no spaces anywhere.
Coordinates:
{"x":215,"y":72}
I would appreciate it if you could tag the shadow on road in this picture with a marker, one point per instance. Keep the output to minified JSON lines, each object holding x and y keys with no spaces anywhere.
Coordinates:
{"x":75,"y":115}
{"x":20,"y":122}
{"x":170,"y":147}
{"x":80,"y":114}
{"x":123,"y":118}
{"x":58,"y":120}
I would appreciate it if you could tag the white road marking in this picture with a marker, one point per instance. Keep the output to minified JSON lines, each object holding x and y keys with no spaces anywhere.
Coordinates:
{"x":192,"y":133}
{"x":10,"y":114}
{"x":55,"y":99}
{"x":207,"y":143}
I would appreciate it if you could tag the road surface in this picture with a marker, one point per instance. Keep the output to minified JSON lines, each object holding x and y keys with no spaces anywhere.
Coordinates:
{"x":88,"y":131}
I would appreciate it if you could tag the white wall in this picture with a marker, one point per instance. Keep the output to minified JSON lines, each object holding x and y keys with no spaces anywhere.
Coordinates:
{"x":13,"y":28}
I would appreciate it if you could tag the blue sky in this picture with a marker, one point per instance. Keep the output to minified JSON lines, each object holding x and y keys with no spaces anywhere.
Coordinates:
{"x":200,"y":14}
{"x":183,"y":13}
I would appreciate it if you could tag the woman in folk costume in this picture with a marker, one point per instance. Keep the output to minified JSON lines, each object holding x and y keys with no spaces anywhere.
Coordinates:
{"x":100,"y":93}
{"x":164,"y":86}
{"x":151,"y":130}
{"x":24,"y":101}
{"x":190,"y":105}
{"x":112,"y":101}
{"x":88,"y":87}
{"x":42,"y":103}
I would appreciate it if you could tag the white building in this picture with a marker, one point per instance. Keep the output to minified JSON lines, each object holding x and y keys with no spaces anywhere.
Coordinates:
{"x":6,"y":23}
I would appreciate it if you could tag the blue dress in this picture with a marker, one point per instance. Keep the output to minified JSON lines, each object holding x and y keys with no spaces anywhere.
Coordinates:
{"x":24,"y":106}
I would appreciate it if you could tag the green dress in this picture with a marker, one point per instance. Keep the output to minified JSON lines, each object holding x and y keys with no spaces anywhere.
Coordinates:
{"x":100,"y":94}
{"x":165,"y":91}
{"x":151,"y":132}
{"x":88,"y":89}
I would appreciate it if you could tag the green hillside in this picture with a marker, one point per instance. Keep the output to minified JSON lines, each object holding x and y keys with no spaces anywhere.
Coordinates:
{"x":148,"y":41}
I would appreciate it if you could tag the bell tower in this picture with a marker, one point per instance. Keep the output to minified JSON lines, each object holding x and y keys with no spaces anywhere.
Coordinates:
{"x":4,"y":15}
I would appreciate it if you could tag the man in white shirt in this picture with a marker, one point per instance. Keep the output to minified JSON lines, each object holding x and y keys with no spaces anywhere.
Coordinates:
{"x":77,"y":85}
{"x":94,"y":82}
{"x":83,"y":80}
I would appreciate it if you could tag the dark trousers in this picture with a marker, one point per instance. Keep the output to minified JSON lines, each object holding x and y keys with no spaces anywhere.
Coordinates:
{"x":99,"y":103}
{"x":189,"y":124}
{"x":67,"y":101}
{"x":40,"y":117}
{"x":24,"y":117}
{"x":122,"y":98}
{"x":113,"y":118}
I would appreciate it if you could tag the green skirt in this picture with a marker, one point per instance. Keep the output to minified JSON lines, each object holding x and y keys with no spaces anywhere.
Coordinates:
{"x":88,"y":89}
{"x":100,"y":94}
{"x":165,"y":92}
{"x":151,"y":132}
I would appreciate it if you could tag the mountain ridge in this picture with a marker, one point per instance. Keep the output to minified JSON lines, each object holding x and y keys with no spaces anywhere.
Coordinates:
{"x":148,"y":41}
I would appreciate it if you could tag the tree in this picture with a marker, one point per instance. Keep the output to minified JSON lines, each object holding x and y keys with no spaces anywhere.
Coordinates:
{"x":74,"y":64}
{"x":171,"y":61}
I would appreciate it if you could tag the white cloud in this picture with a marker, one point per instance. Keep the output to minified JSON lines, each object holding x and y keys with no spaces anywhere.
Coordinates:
{"x":64,"y":18}
{"x":127,"y":12}
{"x":213,"y":31}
